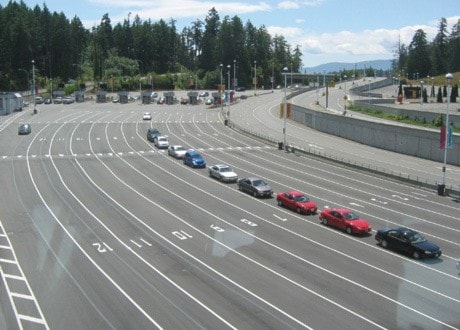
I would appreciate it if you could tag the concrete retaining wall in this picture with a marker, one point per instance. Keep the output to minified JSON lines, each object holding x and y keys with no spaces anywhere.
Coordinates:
{"x":419,"y":142}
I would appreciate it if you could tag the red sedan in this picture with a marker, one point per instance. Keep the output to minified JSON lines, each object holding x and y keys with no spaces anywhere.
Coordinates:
{"x":345,"y":219}
{"x":296,"y":201}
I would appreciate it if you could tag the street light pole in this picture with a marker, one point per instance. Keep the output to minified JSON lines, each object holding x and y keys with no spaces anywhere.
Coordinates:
{"x":229,"y":99}
{"x":285,"y":106}
{"x":220,"y":90}
{"x":421,"y":94}
{"x":234,"y":75}
{"x":33,"y":79}
{"x":255,"y":77}
{"x":441,"y":190}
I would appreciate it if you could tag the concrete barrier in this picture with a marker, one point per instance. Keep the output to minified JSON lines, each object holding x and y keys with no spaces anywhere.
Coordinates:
{"x":414,"y":141}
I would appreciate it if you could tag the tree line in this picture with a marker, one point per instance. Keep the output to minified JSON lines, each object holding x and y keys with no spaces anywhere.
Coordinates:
{"x":154,"y":54}
{"x":422,"y":59}
{"x":136,"y":52}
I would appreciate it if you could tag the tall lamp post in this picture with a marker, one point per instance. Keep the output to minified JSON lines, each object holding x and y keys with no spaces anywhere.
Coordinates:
{"x":234,"y":75}
{"x":33,"y":79}
{"x":441,"y":188}
{"x":220,"y":90}
{"x":255,"y":77}
{"x":421,"y":94}
{"x":345,"y":97}
{"x":229,"y":99}
{"x":285,"y":69}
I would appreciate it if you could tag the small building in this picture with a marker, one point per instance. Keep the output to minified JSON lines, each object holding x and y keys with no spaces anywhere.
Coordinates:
{"x":101,"y":96}
{"x":146,"y":97}
{"x":80,"y":96}
{"x":10,"y":102}
{"x":169,"y":97}
{"x":192,"y":97}
{"x":123,"y":97}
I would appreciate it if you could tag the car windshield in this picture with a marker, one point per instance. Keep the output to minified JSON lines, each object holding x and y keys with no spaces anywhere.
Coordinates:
{"x":195,"y":156}
{"x":180,"y":148}
{"x":301,"y":198}
{"x":350,"y":216}
{"x":225,"y":169}
{"x":258,"y":183}
{"x":415,"y":238}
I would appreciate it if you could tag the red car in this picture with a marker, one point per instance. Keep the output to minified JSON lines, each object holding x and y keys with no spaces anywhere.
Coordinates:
{"x":296,"y":201}
{"x":346,"y":220}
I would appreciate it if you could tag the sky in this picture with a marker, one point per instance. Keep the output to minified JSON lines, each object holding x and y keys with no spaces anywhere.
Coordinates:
{"x":326,"y":31}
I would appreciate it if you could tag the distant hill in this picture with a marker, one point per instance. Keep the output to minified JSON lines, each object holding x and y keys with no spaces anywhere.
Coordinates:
{"x":337,"y":66}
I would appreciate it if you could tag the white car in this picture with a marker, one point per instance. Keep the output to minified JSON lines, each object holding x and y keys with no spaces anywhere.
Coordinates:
{"x":208,"y":101}
{"x":223,"y":172}
{"x":177,"y":151}
{"x":147,"y":116}
{"x":161,"y":142}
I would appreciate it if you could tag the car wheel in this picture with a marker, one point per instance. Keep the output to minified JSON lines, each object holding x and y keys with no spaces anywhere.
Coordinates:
{"x":221,"y":179}
{"x":298,"y":210}
{"x":324,"y":221}
{"x":349,"y":230}
{"x":416,"y":255}
{"x":280,"y":203}
{"x":240,"y":188}
{"x":254,"y":194}
{"x":384,"y":244}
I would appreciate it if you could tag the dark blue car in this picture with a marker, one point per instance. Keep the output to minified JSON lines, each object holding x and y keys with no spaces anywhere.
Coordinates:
{"x":193,"y":158}
{"x":407,"y":241}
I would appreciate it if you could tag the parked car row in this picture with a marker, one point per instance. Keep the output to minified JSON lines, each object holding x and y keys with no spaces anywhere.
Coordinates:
{"x":399,"y":239}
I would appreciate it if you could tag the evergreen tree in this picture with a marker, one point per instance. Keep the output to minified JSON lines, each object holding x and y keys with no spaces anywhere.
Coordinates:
{"x":439,"y":95}
{"x":440,"y":49}
{"x":453,"y":52}
{"x":419,"y":55}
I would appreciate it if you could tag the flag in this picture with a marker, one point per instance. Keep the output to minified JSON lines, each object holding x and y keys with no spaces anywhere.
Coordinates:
{"x":442,"y":138}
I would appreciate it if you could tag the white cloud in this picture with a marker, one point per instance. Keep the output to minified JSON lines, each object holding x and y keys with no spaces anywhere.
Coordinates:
{"x":288,"y":5}
{"x":370,"y":44}
{"x":160,"y":9}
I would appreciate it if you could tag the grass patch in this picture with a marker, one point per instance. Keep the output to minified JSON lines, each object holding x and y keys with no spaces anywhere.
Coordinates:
{"x":401,"y":119}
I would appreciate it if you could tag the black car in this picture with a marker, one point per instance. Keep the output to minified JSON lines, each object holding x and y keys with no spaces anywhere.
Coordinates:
{"x":24,"y":129}
{"x":152,"y":133}
{"x":255,"y":186}
{"x":407,"y":241}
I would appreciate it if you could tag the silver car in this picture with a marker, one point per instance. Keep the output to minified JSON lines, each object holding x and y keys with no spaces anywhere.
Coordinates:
{"x":177,"y":151}
{"x":161,"y":142}
{"x":223,"y":172}
{"x":255,"y":186}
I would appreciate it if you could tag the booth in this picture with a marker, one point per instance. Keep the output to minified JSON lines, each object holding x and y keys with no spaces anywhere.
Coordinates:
{"x":101,"y":96}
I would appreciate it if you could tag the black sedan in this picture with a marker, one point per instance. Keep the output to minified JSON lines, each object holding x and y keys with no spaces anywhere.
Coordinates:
{"x":407,"y":241}
{"x":255,"y":186}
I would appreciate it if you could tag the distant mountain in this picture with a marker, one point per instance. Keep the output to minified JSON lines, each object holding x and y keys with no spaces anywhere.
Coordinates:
{"x":337,"y":66}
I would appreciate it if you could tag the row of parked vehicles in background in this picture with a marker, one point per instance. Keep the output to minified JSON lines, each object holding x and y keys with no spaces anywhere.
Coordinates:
{"x":400,"y":239}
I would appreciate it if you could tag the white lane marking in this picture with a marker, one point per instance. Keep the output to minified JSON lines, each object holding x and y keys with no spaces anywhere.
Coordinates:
{"x":27,"y":295}
{"x":280,"y":218}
